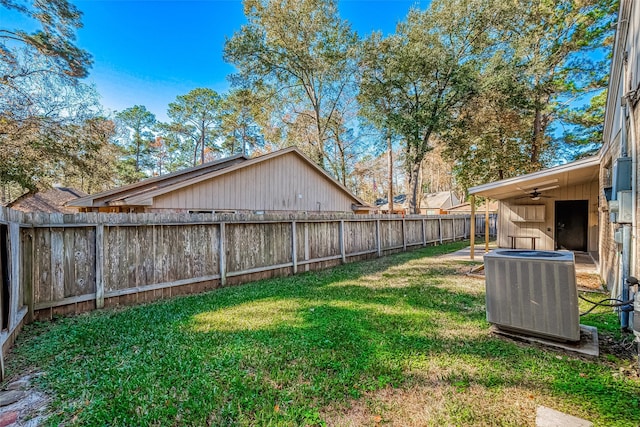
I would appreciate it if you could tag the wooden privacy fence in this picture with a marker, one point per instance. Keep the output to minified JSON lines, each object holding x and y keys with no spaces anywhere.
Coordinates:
{"x":55,"y":264}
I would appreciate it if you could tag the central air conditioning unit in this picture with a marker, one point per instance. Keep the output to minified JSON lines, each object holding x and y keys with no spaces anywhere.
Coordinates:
{"x":533,"y":292}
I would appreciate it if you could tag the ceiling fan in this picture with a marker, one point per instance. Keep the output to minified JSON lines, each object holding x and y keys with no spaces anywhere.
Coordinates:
{"x":536,"y":193}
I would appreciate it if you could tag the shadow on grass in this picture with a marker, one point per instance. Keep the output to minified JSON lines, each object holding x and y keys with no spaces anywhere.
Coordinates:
{"x":276,"y":351}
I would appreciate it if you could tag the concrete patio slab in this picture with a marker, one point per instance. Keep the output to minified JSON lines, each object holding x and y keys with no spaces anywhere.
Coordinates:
{"x":587,"y":346}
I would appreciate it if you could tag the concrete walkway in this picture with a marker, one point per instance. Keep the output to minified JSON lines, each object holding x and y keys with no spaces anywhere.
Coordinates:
{"x":547,"y":417}
{"x":584,"y":261}
{"x":465,"y":254}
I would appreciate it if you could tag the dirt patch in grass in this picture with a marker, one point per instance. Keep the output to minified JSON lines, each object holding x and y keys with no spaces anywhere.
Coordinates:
{"x":589,"y":281}
{"x":439,"y":403}
{"x":623,"y":349}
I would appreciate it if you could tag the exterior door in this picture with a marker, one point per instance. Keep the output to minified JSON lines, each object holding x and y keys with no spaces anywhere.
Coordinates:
{"x":572,"y":218}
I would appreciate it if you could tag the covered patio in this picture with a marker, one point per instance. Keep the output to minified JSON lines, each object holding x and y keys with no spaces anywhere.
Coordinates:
{"x":552,"y":209}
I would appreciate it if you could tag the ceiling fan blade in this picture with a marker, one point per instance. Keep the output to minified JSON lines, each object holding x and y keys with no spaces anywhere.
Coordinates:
{"x":537,"y":184}
{"x":553,"y":187}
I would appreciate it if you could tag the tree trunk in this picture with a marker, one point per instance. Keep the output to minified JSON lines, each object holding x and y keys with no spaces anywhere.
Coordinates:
{"x":244,"y":141}
{"x":535,"y":140}
{"x":413,"y":180}
{"x":138,"y":154}
{"x":343,"y":168}
{"x":320,"y":153}
{"x":202,"y":131}
{"x":195,"y":154}
{"x":390,"y":158}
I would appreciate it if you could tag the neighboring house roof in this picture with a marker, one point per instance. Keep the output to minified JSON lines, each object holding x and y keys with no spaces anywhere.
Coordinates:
{"x":398,"y":198}
{"x":578,"y":172}
{"x":440,"y":200}
{"x":117,"y":195}
{"x":52,"y":200}
{"x":143,"y":192}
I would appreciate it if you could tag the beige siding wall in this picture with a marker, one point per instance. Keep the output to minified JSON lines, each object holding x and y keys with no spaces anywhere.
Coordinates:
{"x":623,"y":79}
{"x":545,"y":231}
{"x":608,"y":250}
{"x":284,"y":183}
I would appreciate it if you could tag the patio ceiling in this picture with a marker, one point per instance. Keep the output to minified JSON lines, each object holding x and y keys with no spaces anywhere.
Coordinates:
{"x":578,"y":172}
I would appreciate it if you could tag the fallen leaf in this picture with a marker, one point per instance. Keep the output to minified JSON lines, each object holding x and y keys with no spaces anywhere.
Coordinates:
{"x":276,"y":408}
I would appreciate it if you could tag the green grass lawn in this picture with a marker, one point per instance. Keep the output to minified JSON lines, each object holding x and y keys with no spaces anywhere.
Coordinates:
{"x":400,"y":340}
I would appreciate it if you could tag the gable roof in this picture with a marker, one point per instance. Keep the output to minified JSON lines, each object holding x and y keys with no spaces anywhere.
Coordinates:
{"x":52,"y":200}
{"x":111,"y":197}
{"x":578,"y":172}
{"x":440,"y":200}
{"x":142,"y":193}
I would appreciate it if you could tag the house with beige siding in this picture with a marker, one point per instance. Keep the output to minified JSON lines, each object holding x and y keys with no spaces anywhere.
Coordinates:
{"x":619,"y":237}
{"x":429,"y":204}
{"x":282,"y":181}
{"x":591,"y":204}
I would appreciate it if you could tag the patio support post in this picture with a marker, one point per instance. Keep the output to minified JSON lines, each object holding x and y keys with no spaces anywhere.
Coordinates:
{"x":473,"y":226}
{"x":486,"y":225}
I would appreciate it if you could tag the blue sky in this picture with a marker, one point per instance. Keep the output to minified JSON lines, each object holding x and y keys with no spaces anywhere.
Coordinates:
{"x":148,"y":52}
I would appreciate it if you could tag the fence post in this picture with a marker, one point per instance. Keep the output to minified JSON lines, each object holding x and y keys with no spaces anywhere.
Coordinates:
{"x":378,"y":242}
{"x":404,"y":235}
{"x":344,"y":256}
{"x":306,"y":245}
{"x":424,"y":232}
{"x":27,"y":273}
{"x":99,"y":265}
{"x":440,"y":229}
{"x":294,"y":247}
{"x":222,"y":258}
{"x":16,"y":248}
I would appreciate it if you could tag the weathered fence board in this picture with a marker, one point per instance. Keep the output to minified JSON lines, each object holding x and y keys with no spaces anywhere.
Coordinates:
{"x":413,"y":231}
{"x":391,"y":234}
{"x":251,"y":246}
{"x":323,"y":239}
{"x":360,"y":237}
{"x":42,"y":266}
